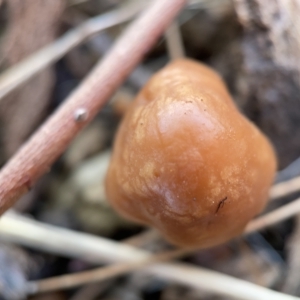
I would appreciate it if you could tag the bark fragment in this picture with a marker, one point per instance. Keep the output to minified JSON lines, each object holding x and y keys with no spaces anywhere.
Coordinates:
{"x":267,"y":81}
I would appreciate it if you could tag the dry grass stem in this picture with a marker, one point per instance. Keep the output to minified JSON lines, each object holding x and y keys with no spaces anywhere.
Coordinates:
{"x":91,"y":291}
{"x":214,"y":282}
{"x":31,"y":233}
{"x":73,"y":280}
{"x":97,"y":250}
{"x":273,"y":217}
{"x":143,"y":238}
{"x":195,"y":277}
{"x":26,"y":69}
{"x":285,"y":188}
{"x":119,"y":269}
{"x":28,"y":232}
{"x":174,"y":41}
{"x":38,"y":154}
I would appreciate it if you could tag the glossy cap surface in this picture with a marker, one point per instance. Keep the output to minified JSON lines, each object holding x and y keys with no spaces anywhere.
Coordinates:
{"x":187,"y":162}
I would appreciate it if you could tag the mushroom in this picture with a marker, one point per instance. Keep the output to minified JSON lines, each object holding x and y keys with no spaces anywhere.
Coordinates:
{"x":187,"y":162}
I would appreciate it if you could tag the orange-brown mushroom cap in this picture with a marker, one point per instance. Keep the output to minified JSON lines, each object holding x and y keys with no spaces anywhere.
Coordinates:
{"x":187,"y":162}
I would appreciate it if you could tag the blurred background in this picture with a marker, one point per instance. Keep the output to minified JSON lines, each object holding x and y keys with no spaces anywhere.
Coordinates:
{"x":253,"y":44}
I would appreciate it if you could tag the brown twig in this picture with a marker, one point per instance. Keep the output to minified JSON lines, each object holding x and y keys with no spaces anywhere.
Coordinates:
{"x":39,"y":153}
{"x":91,"y":290}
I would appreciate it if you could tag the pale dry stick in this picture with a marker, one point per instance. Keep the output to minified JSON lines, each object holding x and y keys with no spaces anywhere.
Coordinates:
{"x":200,"y":278}
{"x":285,"y":188}
{"x":99,"y":250}
{"x":90,"y":290}
{"x":280,"y":214}
{"x":99,"y":274}
{"x":174,"y":41}
{"x":26,"y":69}
{"x":38,"y":154}
{"x":31,"y":233}
{"x":22,"y":230}
{"x":214,"y":282}
{"x":144,"y":238}
{"x":197,"y":278}
{"x":68,"y":281}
